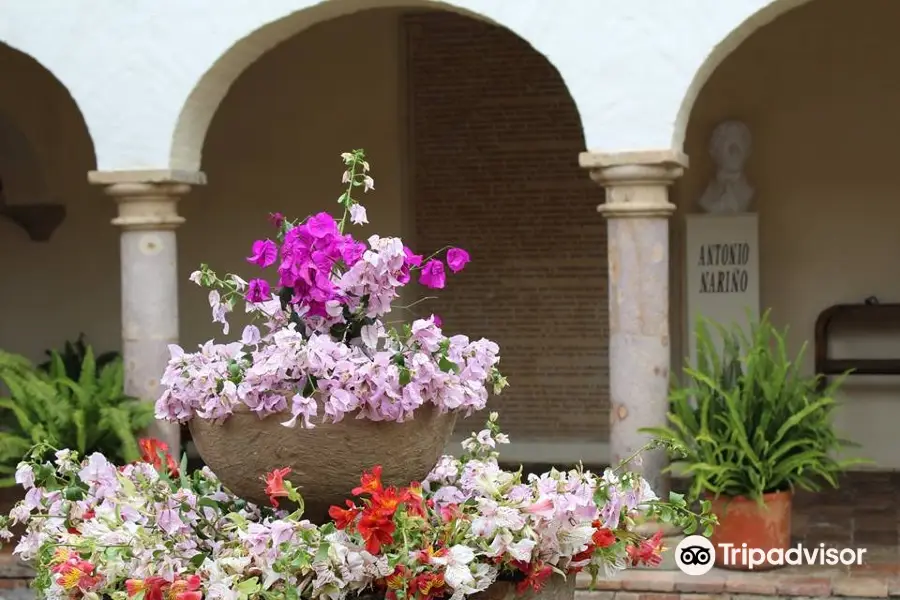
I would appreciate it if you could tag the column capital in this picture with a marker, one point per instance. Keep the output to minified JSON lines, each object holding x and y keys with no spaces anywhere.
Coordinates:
{"x":147,"y":199}
{"x":635,"y":182}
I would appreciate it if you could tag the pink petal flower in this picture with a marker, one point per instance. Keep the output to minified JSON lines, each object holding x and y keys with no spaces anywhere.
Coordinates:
{"x":457,"y":259}
{"x":433,"y":275}
{"x":264,"y":253}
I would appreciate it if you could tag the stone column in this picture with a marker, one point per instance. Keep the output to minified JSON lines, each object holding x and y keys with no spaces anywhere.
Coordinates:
{"x":148,"y":217}
{"x":638,"y":209}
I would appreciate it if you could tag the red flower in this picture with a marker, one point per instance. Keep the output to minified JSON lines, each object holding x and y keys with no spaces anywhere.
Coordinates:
{"x":414,"y":500}
{"x":428,"y":586}
{"x":648,"y":552}
{"x":370,"y":482}
{"x":376,"y":530}
{"x":387,"y":501}
{"x":154,"y":451}
{"x":275,"y":485}
{"x":535,"y":578}
{"x":603,"y":538}
{"x":397,"y":581}
{"x":343,"y":517}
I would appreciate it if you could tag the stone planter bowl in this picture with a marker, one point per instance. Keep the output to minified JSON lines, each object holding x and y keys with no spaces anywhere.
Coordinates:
{"x":555,"y":588}
{"x":327,"y":460}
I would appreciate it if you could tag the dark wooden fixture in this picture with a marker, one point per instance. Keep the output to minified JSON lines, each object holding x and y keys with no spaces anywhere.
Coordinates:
{"x":871,"y":316}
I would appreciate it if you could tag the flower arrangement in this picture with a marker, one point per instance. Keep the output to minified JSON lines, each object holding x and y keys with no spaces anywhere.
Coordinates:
{"x":149,"y":530}
{"x":327,"y":351}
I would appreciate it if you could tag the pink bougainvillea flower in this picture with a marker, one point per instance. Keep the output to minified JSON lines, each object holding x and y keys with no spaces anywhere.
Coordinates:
{"x":457,"y":259}
{"x":433,"y":275}
{"x":265,"y":252}
{"x":437,"y":320}
{"x":258,"y":290}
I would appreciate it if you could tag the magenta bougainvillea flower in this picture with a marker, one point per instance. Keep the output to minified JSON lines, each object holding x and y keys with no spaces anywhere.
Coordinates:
{"x":433,"y":275}
{"x":457,"y":259}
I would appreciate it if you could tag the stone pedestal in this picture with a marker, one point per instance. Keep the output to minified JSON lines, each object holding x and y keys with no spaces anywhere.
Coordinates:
{"x":722,"y":270}
{"x":148,"y":217}
{"x":638,"y":210}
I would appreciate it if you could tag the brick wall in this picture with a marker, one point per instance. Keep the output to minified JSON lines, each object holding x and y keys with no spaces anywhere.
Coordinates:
{"x":494,"y":143}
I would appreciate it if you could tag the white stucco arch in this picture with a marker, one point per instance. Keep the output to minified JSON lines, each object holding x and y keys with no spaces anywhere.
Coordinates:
{"x":204,"y":98}
{"x":145,"y":73}
{"x":752,"y":21}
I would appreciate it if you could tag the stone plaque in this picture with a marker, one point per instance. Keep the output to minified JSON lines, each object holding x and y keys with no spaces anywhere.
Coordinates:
{"x":722,"y":271}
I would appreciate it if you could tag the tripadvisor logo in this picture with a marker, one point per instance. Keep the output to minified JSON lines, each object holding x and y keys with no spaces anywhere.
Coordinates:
{"x":696,"y":555}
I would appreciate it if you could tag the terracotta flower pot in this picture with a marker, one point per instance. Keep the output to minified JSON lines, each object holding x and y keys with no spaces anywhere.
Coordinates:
{"x":745,"y":521}
{"x":327,"y":460}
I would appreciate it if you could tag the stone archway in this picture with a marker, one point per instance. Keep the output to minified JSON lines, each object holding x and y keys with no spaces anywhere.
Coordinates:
{"x":473,"y":138}
{"x":49,"y":211}
{"x":818,"y":90}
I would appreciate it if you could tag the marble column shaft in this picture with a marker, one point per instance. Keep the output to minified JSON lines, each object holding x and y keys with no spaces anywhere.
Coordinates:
{"x":148,"y":217}
{"x":637,"y":211}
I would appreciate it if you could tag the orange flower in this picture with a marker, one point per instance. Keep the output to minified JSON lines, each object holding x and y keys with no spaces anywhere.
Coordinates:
{"x":275,"y":485}
{"x":76,"y":574}
{"x":370,"y":482}
{"x":152,"y":587}
{"x":185,"y":589}
{"x":154,"y":451}
{"x":343,"y":517}
{"x":387,"y":501}
{"x":376,"y":530}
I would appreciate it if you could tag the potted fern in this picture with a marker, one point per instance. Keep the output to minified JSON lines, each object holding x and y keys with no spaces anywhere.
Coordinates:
{"x":753,"y":428}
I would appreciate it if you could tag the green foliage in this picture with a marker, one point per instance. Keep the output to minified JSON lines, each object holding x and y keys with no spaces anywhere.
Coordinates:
{"x":90,"y":413}
{"x":73,"y":355}
{"x":748,"y":422}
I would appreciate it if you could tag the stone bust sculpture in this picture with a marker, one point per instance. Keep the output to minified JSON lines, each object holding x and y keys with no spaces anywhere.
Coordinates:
{"x":729,"y":192}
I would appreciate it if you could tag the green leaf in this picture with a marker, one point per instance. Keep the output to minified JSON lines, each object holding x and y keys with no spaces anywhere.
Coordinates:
{"x":448,"y":366}
{"x":198,"y":560}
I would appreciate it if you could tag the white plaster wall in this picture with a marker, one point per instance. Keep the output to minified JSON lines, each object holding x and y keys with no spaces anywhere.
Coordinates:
{"x":274,"y":146}
{"x":132,"y":67}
